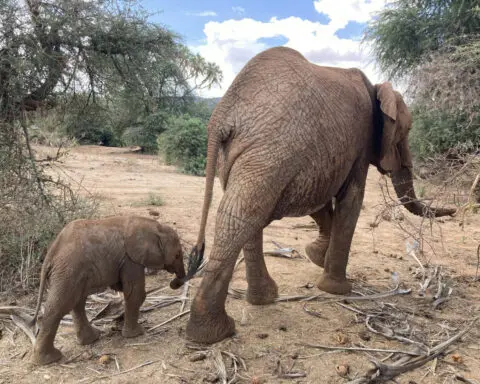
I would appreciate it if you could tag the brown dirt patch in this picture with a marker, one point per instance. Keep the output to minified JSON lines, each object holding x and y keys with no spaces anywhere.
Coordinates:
{"x":270,"y":335}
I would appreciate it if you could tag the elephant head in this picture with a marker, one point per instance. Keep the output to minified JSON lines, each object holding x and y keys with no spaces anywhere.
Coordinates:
{"x":156,"y":247}
{"x":395,"y":157}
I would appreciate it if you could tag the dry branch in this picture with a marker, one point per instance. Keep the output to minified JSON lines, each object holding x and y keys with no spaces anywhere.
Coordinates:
{"x":361,"y":349}
{"x":384,"y":372}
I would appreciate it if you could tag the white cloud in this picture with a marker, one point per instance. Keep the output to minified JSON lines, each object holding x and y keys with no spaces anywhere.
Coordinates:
{"x":203,"y":14}
{"x":232,"y":43}
{"x":238,"y":10}
{"x":350,"y":10}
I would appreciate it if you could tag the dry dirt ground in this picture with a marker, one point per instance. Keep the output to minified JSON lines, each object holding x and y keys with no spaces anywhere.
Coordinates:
{"x":270,"y":339}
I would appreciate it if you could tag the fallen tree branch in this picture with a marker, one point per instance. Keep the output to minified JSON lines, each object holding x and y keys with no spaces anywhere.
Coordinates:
{"x":361,"y":349}
{"x":169,"y":320}
{"x":384,"y":372}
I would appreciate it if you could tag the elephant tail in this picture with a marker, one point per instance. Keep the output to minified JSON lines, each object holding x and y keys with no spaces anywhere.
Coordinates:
{"x":213,"y":147}
{"x":43,"y":278}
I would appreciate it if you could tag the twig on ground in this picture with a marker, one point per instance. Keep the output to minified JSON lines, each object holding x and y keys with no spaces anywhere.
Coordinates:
{"x":185,"y":296}
{"x":464,"y":379}
{"x":169,"y":320}
{"x":478,"y":262}
{"x":360,"y":349}
{"x":119,"y":373}
{"x":22,"y":324}
{"x":313,"y":313}
{"x":384,"y":372}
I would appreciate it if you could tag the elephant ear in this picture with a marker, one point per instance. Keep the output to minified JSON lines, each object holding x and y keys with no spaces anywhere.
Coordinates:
{"x":143,"y":243}
{"x":393,"y":127}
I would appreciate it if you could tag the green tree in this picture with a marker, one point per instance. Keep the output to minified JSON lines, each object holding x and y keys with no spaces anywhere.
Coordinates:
{"x":89,"y":59}
{"x":434,"y":45}
{"x":184,"y":144}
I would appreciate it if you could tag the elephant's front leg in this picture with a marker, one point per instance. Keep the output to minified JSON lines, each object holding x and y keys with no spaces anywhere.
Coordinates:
{"x":133,"y":284}
{"x":318,"y":248}
{"x":86,"y":333}
{"x":347,"y":209}
{"x":262,"y":289}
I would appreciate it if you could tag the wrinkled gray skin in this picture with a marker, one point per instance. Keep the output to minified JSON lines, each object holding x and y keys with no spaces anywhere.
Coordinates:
{"x":289,"y":136}
{"x":88,"y":256}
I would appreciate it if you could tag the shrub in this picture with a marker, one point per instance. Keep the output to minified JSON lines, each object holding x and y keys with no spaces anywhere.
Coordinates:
{"x":184,"y":144}
{"x":33,"y":208}
{"x":145,"y":133}
{"x":90,"y":124}
{"x":435,"y":131}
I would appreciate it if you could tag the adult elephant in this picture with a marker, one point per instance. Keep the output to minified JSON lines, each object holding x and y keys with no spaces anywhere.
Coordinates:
{"x":289,"y":136}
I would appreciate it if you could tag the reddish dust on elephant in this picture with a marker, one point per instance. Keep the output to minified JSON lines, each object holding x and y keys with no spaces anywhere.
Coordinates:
{"x":88,"y":256}
{"x":289,"y":136}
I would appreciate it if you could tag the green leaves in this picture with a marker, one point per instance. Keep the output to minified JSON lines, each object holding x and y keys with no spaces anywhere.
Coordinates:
{"x":184,"y":144}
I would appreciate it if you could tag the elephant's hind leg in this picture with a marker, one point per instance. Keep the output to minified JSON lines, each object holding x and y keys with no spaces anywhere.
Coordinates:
{"x":86,"y":333}
{"x":347,"y":209}
{"x":318,"y":248}
{"x":239,"y":219}
{"x":56,"y":306}
{"x":262,"y":289}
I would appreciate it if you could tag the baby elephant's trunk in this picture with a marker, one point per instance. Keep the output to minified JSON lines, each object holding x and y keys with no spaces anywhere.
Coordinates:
{"x":179,"y":270}
{"x":195,"y":264}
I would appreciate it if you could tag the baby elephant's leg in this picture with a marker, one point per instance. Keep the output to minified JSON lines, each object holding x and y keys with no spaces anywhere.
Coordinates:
{"x":86,"y":333}
{"x":134,"y":293}
{"x":56,"y":306}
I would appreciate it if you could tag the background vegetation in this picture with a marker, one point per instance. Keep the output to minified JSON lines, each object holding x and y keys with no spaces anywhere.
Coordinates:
{"x":99,"y":72}
{"x":434,"y":46}
{"x":85,"y":72}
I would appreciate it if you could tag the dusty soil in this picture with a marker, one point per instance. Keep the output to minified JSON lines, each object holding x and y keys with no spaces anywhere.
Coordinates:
{"x":269,"y":338}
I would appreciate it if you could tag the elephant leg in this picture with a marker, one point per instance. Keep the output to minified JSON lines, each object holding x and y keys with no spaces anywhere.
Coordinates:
{"x":238,"y":221}
{"x":134,"y":293}
{"x":86,"y":333}
{"x":56,"y":306}
{"x":262,"y":289}
{"x":318,"y":248}
{"x":347,"y":209}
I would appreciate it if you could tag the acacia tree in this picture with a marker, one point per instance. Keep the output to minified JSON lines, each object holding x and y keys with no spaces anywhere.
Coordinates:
{"x":434,"y":45}
{"x":89,"y":51}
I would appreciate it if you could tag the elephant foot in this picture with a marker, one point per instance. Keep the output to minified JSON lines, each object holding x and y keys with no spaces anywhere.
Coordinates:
{"x":46,"y":357}
{"x":133,"y":331}
{"x":88,"y":335}
{"x":316,"y":251}
{"x":209,"y":329}
{"x":335,"y":286}
{"x":262,"y":292}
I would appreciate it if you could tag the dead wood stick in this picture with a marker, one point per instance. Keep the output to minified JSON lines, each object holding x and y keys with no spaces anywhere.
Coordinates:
{"x":119,"y":373}
{"x":464,"y":379}
{"x":169,"y":320}
{"x":22,"y":324}
{"x":240,"y":294}
{"x":361,"y":349}
{"x":184,"y":296}
{"x":393,"y":336}
{"x":385,"y":372}
{"x":478,"y":262}
{"x":12,"y":309}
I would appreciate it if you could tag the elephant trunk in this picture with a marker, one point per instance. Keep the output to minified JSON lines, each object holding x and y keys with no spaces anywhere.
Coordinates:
{"x":179,"y":270}
{"x":403,"y":183}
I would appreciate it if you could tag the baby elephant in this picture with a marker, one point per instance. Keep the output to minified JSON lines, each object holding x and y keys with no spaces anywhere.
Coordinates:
{"x":90,"y":255}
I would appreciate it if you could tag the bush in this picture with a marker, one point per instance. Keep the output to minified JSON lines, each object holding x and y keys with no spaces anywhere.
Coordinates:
{"x":145,"y":133}
{"x":33,"y":208}
{"x":184,"y":144}
{"x":436,"y":131}
{"x":90,"y":124}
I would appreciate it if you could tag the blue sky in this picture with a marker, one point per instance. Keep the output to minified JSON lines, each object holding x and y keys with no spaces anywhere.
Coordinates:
{"x":229,"y":33}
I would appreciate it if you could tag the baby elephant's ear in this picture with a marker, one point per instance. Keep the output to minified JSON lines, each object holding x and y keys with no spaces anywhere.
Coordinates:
{"x":142,"y":243}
